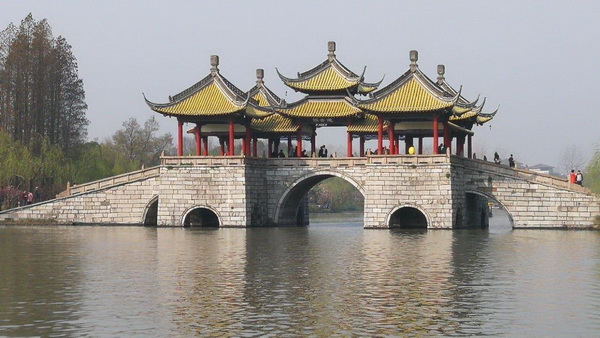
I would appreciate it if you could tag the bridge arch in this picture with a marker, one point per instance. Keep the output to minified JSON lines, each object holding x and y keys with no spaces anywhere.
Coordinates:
{"x":413,"y":213}
{"x":289,"y":211}
{"x":150,"y":215}
{"x":493,"y":198}
{"x":201,"y":216}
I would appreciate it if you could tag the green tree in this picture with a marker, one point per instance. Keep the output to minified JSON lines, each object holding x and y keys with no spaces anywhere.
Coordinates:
{"x":41,"y":94}
{"x":592,"y":173}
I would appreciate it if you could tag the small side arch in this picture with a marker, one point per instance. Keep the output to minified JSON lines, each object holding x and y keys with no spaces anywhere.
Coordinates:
{"x":288,"y":203}
{"x":201,"y":216}
{"x":417,"y":216}
{"x":150,"y":216}
{"x":493,"y":198}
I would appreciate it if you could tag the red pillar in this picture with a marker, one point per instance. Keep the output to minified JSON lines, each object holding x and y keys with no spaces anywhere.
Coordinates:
{"x":391,"y":138}
{"x":397,"y":144}
{"x":470,"y":146}
{"x":362,"y":145}
{"x":269,"y":147}
{"x":289,"y":145}
{"x":255,"y":147}
{"x":198,"y":140}
{"x":379,"y":134}
{"x":222,"y":144}
{"x":420,"y":145}
{"x":348,"y":144}
{"x":435,"y":135}
{"x":299,"y":142}
{"x":179,"y":138}
{"x":231,"y":137}
{"x":205,"y":145}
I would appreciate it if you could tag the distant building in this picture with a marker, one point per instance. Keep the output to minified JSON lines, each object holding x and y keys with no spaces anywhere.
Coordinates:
{"x":543,"y":169}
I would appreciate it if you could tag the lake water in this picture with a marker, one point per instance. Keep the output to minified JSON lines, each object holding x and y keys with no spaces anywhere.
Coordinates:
{"x":332,"y":278}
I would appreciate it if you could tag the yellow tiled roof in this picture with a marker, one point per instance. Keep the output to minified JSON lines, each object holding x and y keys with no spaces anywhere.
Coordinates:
{"x":409,"y":97}
{"x":328,"y":79}
{"x":321,"y":108}
{"x":208,"y":101}
{"x":274,"y":124}
{"x":464,"y":116}
{"x":483,"y":119}
{"x":369,"y":124}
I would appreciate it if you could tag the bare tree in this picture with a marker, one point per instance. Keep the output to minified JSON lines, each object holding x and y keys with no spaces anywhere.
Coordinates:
{"x":140,"y":143}
{"x":571,"y":158}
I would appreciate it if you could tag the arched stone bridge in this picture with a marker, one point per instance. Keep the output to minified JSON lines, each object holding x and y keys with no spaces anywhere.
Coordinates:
{"x":437,"y":191}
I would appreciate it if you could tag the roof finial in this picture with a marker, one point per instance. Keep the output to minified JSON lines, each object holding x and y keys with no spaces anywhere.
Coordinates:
{"x":260,"y":74}
{"x":441,"y":70}
{"x":414,"y":56}
{"x":331,"y":49}
{"x":214,"y":63}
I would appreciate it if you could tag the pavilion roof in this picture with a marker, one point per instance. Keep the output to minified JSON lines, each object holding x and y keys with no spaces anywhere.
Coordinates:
{"x":330,"y":77}
{"x":275,"y":124}
{"x":212,"y":96}
{"x":367,"y":125}
{"x":260,"y":93}
{"x":412,"y":92}
{"x":321,"y":107}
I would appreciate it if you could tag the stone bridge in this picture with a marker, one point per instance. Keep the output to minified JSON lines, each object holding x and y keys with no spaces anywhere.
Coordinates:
{"x":433,"y":191}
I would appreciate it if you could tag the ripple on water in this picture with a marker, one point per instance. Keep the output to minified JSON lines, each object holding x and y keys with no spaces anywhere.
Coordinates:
{"x":322,"y":280}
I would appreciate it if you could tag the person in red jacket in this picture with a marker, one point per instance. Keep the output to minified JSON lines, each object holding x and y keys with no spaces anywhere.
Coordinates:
{"x":572,"y":177}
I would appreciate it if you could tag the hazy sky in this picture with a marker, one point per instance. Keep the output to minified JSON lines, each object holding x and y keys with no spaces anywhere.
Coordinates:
{"x":540,"y":60}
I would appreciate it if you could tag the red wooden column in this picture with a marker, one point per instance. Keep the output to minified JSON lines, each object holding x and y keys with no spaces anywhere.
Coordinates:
{"x":379,"y":134}
{"x":447,"y":139}
{"x":289,"y":145}
{"x":255,"y":147}
{"x":435,"y":134}
{"x":299,"y":142}
{"x":470,"y":146}
{"x":231,"y":137}
{"x":408,"y":142}
{"x":348,"y":144}
{"x":397,"y":144}
{"x":205,"y":145}
{"x":179,"y":138}
{"x":313,"y":141}
{"x":362,"y":145}
{"x":420,"y":145}
{"x":391,"y":138}
{"x":198,"y":140}
{"x":269,"y":147}
{"x":460,"y":141}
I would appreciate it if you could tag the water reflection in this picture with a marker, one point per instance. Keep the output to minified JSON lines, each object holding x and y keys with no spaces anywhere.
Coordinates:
{"x":332,"y":279}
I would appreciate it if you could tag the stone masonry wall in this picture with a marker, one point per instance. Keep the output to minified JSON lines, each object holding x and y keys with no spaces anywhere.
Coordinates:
{"x":531,"y":204}
{"x":121,"y":204}
{"x":218,"y":188}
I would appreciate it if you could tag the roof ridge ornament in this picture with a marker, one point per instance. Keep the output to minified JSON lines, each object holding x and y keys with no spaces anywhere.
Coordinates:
{"x":331,"y":50}
{"x":260,"y":74}
{"x":441,"y":70}
{"x":414,"y":57}
{"x":214,"y":64}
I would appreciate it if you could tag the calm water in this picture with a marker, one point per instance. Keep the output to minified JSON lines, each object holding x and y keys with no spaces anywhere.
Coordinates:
{"x":330,"y":278}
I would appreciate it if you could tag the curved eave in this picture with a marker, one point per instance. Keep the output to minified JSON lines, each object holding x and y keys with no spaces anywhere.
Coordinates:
{"x":328,"y":80}
{"x":320,"y":108}
{"x":408,"y":95}
{"x":462,"y":117}
{"x":368,"y":125}
{"x":460,"y":129}
{"x":212,"y":96}
{"x":254,"y":110}
{"x":486,"y":117}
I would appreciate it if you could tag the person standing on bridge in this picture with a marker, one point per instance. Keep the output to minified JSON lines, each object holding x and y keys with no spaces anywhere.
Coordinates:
{"x":572,"y":177}
{"x":511,"y":161}
{"x":579,"y":178}
{"x":496,"y":158}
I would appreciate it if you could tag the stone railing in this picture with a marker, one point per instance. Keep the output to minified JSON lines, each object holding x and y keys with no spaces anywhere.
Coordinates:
{"x":110,"y":181}
{"x":528,"y":175}
{"x":304,"y":161}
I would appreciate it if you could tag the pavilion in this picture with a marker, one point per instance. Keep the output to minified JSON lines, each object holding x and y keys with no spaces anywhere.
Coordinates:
{"x":412,"y":107}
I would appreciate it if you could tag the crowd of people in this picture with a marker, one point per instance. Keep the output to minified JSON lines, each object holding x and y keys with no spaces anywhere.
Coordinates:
{"x":11,"y":197}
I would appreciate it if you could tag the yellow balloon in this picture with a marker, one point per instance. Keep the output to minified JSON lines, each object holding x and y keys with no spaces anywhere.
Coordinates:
{"x":411,"y":150}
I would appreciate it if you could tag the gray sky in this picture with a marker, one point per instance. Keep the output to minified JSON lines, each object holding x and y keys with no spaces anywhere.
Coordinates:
{"x":540,"y":60}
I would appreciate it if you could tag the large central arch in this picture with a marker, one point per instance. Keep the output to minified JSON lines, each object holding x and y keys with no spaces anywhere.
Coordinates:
{"x":289,"y":209}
